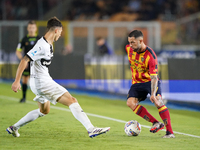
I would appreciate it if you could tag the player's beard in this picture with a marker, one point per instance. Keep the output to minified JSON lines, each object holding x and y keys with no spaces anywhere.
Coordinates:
{"x":137,"y":49}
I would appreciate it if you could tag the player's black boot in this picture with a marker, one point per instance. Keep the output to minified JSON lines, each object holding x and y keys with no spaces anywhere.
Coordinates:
{"x":23,"y":100}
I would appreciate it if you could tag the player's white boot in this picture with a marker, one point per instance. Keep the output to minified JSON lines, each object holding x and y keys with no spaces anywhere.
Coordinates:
{"x":97,"y":131}
{"x":169,"y":136}
{"x":12,"y":130}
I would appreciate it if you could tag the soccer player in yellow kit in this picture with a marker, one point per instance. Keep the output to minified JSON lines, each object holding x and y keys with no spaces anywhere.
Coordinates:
{"x":144,"y":68}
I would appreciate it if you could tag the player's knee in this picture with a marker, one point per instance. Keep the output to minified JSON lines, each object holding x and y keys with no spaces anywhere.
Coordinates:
{"x":128,"y":103}
{"x":45,"y":111}
{"x":73,"y":100}
{"x":131,"y":103}
{"x":41,"y":114}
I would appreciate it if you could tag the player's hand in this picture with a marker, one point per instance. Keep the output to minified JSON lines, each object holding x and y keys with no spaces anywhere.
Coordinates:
{"x":153,"y":99}
{"x":16,"y":86}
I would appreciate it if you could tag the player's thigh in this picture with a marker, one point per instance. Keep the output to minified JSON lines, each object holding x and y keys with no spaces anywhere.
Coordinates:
{"x":45,"y":107}
{"x":138,"y":91}
{"x":66,"y":99}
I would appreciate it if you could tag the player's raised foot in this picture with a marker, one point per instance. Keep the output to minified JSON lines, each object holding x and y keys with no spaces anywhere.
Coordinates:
{"x":97,"y":131}
{"x":23,"y":100}
{"x":169,"y":136}
{"x":12,"y":130}
{"x":156,"y":127}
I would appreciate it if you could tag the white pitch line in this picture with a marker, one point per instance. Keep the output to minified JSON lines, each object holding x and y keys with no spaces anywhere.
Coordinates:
{"x":90,"y":114}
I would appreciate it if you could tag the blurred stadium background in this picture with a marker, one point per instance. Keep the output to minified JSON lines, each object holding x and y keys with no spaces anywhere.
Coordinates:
{"x":171,"y":28}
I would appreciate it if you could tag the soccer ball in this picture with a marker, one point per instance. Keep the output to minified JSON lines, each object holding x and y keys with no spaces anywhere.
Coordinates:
{"x":132,"y":128}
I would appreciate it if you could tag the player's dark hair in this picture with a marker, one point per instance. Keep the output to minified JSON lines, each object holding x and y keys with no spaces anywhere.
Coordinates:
{"x":31,"y":22}
{"x":53,"y":22}
{"x":99,"y":38}
{"x":136,"y":34}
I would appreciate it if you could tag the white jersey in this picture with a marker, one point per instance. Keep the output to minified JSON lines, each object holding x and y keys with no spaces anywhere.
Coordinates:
{"x":41,"y":84}
{"x":41,"y":55}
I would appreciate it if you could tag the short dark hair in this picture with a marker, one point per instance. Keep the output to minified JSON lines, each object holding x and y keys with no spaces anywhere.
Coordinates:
{"x":31,"y":22}
{"x":53,"y":22}
{"x":136,"y":34}
{"x":99,"y":38}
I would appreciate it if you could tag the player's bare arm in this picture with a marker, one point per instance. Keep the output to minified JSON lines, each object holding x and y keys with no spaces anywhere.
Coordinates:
{"x":19,"y":54}
{"x":154,"y":83}
{"x":23,"y":63}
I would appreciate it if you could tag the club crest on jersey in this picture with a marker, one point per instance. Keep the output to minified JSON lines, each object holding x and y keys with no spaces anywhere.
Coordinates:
{"x":142,"y":59}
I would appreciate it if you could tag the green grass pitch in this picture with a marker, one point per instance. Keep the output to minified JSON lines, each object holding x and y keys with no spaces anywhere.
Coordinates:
{"x":59,"y":130}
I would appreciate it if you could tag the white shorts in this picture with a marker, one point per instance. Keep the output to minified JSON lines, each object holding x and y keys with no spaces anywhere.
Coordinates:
{"x":46,"y":90}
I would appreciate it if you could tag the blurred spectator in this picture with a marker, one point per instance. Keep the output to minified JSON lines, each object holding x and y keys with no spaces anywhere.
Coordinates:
{"x":103,"y":48}
{"x":24,"y":10}
{"x":101,"y":9}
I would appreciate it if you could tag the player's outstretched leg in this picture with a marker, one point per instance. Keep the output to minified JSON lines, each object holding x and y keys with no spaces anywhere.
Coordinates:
{"x":80,"y":115}
{"x":31,"y":116}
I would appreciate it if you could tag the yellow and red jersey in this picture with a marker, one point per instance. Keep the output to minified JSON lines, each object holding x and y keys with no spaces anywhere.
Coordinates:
{"x":142,"y":64}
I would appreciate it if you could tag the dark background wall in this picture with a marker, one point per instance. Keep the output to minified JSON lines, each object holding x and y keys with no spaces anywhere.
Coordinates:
{"x":184,"y":69}
{"x":67,"y":67}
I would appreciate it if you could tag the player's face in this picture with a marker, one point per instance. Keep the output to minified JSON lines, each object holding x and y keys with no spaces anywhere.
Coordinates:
{"x":135,"y":43}
{"x":58,"y":32}
{"x":32,"y":28}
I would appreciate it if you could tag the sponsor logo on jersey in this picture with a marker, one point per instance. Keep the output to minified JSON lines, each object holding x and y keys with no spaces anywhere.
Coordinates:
{"x":45,"y":62}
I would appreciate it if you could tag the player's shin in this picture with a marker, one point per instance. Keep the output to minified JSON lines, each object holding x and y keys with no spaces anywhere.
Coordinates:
{"x":80,"y":115}
{"x":29,"y":117}
{"x":142,"y":112}
{"x":164,"y":114}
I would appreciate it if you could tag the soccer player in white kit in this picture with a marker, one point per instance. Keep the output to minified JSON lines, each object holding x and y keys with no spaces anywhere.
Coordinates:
{"x":44,"y":87}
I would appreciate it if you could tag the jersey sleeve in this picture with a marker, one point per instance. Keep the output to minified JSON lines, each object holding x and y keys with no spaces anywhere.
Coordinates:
{"x":126,"y":48}
{"x":36,"y":53}
{"x":153,"y":66}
